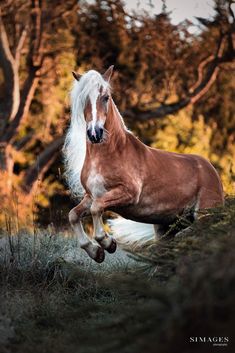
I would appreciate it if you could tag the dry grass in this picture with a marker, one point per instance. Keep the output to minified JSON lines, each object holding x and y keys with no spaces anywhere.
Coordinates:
{"x":54,"y":299}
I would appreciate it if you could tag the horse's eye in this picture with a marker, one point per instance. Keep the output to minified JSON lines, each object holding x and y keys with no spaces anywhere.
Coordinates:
{"x":106,"y":98}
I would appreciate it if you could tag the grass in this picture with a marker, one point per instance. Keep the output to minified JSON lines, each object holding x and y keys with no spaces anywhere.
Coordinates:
{"x":152,"y":299}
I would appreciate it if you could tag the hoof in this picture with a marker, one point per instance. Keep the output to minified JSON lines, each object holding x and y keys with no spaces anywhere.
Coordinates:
{"x":100,"y":255}
{"x":112,"y":247}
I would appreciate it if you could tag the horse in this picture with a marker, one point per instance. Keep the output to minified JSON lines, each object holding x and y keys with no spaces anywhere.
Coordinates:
{"x":113,"y":170}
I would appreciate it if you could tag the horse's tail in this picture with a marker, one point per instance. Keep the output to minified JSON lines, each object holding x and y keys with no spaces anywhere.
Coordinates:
{"x":128,"y":232}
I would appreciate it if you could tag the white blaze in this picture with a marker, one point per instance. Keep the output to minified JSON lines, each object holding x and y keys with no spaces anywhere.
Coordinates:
{"x":93,"y":99}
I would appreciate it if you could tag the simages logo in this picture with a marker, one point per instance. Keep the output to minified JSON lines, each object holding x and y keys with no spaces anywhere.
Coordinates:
{"x":214,"y":340}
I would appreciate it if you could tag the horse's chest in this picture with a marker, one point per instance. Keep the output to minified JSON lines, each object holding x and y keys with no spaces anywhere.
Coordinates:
{"x":95,"y":184}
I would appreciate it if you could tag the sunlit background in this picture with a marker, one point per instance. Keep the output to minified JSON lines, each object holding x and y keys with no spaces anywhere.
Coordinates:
{"x":173,"y":60}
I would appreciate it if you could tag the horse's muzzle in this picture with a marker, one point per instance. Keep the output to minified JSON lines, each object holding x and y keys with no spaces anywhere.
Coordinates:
{"x":95,"y":135}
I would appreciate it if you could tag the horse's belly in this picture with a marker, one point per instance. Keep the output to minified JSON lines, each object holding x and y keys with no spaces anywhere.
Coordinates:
{"x":139,"y":214}
{"x":157,"y":210}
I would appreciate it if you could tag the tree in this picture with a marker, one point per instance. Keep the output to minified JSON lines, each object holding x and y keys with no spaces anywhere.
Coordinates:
{"x":155,"y":56}
{"x":32,"y":35}
{"x":161,"y":67}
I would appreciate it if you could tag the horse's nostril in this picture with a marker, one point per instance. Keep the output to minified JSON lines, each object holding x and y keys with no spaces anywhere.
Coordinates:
{"x":101,"y":133}
{"x":89,"y":134}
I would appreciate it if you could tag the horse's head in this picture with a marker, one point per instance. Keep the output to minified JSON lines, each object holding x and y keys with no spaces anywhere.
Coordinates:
{"x":95,"y":97}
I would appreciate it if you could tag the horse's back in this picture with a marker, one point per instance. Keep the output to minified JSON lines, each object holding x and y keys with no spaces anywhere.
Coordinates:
{"x":174,"y":179}
{"x":194,"y":169}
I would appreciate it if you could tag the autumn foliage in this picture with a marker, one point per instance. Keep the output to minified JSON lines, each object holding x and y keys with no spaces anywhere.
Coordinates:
{"x":174,"y":88}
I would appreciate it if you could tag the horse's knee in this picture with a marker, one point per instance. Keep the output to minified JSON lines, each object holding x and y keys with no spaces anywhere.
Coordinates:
{"x":78,"y":212}
{"x":95,"y":209}
{"x":73,"y":217}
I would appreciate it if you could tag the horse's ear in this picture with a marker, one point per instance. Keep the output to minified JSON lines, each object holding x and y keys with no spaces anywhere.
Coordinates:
{"x":108,"y":73}
{"x":76,"y":76}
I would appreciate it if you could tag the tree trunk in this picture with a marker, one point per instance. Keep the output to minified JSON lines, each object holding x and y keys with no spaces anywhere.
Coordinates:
{"x":36,"y":172}
{"x":3,"y":157}
{"x":26,"y":98}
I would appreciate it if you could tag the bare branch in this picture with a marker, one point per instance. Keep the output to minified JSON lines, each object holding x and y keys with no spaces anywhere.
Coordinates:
{"x":19,"y":145}
{"x":4,"y":42}
{"x":27,"y":95}
{"x":204,"y":83}
{"x":36,"y":34}
{"x":201,"y":67}
{"x":35,"y":62}
{"x":198,"y":90}
{"x":160,"y":112}
{"x":231,"y":10}
{"x":20,"y":44}
{"x":11,"y":77}
{"x":43,"y":162}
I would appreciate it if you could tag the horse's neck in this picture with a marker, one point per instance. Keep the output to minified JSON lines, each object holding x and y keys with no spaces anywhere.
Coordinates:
{"x":114,"y":123}
{"x":116,"y":132}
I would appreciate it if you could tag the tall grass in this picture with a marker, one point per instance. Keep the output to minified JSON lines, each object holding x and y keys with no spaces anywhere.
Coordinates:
{"x":55,"y":299}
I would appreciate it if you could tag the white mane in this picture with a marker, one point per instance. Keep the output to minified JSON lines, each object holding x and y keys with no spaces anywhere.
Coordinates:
{"x":74,"y":149}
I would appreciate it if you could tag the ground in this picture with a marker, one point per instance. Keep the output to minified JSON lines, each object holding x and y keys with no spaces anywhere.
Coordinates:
{"x":54,"y":299}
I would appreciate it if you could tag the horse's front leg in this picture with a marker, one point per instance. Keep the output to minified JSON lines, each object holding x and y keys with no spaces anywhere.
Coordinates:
{"x":113,"y":198}
{"x":75,"y":219}
{"x":105,"y":240}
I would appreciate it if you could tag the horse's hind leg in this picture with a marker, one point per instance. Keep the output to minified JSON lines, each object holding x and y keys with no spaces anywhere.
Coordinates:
{"x":160,"y":230}
{"x":186,"y":221}
{"x":75,"y":217}
{"x":208,"y":199}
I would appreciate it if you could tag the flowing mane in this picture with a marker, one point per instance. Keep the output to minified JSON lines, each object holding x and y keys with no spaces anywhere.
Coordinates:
{"x":74,"y":149}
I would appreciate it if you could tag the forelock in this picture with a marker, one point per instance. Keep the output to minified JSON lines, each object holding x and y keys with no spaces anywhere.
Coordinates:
{"x":90,"y":83}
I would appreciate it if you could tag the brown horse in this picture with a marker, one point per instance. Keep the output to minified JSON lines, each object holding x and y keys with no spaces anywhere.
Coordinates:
{"x":115,"y":171}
